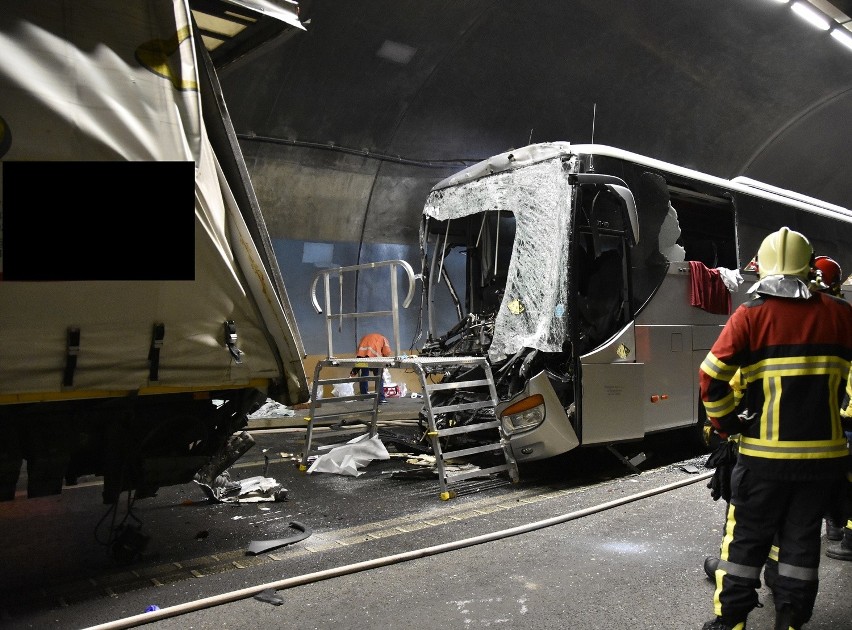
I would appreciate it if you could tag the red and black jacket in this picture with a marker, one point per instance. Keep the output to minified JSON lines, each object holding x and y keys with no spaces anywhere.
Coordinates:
{"x":794,"y":356}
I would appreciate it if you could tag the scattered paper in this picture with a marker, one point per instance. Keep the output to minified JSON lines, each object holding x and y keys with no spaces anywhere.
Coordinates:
{"x":251,"y":490}
{"x":272,"y":409}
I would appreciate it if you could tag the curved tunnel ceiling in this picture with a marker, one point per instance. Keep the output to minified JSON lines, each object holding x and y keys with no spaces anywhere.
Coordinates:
{"x":345,"y":126}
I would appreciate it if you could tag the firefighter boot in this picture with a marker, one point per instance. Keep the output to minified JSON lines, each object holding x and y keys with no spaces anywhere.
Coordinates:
{"x":710,"y":565}
{"x":785,"y":619}
{"x":843,"y":549}
{"x":833,"y":529}
{"x":720,"y":624}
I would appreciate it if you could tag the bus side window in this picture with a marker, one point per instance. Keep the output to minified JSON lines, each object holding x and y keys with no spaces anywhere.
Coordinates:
{"x":708,"y":232}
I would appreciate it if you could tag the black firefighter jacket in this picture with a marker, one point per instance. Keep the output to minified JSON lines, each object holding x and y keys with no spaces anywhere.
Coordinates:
{"x":794,"y":356}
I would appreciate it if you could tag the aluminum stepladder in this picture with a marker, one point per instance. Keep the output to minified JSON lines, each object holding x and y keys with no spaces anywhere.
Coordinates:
{"x":425,"y":366}
{"x":371,"y":397}
{"x":349,"y":363}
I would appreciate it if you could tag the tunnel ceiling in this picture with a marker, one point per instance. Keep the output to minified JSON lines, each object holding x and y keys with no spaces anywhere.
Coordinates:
{"x":347,"y":124}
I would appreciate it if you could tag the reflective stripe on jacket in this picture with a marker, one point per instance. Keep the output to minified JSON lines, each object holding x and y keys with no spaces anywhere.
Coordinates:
{"x":794,"y":356}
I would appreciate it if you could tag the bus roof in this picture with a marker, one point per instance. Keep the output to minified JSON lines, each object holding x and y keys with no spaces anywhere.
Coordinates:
{"x":535,"y":153}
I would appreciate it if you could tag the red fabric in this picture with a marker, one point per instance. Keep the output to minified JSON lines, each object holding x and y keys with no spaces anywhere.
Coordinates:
{"x":707,"y":290}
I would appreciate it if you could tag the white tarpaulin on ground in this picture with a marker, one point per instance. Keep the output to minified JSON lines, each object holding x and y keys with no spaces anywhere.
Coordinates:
{"x":348,"y":458}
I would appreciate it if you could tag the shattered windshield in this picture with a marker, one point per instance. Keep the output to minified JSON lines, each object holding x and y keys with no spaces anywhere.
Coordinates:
{"x":533,"y":311}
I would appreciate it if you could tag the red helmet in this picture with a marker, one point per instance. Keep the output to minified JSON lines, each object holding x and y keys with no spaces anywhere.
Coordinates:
{"x":830,"y":271}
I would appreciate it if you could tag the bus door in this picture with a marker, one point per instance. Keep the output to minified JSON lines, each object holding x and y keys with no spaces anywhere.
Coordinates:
{"x":605,"y":231}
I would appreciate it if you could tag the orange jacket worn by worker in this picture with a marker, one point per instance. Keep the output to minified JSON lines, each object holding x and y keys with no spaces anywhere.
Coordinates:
{"x":373,"y":345}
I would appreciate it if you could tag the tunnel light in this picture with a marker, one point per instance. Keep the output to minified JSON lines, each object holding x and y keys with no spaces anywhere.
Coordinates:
{"x":843,"y":37}
{"x":810,"y":15}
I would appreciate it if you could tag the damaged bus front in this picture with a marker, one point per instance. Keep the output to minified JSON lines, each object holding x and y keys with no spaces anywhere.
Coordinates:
{"x":577,"y":271}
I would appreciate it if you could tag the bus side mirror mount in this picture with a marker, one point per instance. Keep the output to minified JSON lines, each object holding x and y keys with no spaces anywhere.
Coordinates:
{"x":628,"y":206}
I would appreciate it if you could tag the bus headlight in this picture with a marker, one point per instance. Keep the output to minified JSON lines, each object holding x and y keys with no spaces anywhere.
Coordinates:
{"x":523,"y":415}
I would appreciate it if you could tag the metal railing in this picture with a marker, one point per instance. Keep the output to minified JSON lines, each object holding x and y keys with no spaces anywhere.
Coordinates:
{"x":340,"y":315}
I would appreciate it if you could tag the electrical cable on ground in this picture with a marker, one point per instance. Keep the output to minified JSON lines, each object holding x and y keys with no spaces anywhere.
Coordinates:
{"x":225,"y":598}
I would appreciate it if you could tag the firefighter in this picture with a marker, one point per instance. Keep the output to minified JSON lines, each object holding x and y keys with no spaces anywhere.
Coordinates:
{"x":843,"y":550}
{"x":793,"y":347}
{"x":827,"y":275}
{"x":832,"y":277}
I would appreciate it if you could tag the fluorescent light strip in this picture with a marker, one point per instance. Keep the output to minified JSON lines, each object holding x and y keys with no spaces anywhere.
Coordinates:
{"x":843,"y":37}
{"x":810,"y":15}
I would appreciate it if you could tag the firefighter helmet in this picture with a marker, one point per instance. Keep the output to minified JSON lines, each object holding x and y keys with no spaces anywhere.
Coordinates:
{"x":785,"y":252}
{"x":830,"y":270}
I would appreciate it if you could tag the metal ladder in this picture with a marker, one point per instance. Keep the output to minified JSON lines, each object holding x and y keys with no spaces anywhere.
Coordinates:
{"x":338,"y":314}
{"x":425,"y":368}
{"x":431,"y":365}
{"x":371,"y":398}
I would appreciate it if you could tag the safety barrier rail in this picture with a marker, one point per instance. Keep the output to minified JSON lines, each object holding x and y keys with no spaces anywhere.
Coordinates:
{"x":326,"y":274}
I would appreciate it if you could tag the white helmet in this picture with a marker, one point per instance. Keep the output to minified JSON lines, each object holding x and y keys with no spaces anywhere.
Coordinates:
{"x":785,"y":252}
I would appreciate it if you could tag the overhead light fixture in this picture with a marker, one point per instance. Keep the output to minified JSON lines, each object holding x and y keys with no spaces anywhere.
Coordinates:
{"x":843,"y":37}
{"x":810,"y":15}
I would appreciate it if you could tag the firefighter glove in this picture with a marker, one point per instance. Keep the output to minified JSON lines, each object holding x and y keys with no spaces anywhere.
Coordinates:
{"x":723,"y":460}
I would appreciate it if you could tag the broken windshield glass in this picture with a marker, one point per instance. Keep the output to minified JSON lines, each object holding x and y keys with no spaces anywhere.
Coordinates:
{"x":533,"y":310}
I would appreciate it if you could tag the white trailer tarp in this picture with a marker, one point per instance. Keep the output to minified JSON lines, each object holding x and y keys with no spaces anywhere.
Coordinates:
{"x":96,"y":80}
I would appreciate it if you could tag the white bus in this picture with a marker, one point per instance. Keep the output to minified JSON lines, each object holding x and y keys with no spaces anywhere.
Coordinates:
{"x":596,"y":280}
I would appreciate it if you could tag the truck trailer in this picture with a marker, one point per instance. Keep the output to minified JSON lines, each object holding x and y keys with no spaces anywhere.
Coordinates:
{"x":143,"y":315}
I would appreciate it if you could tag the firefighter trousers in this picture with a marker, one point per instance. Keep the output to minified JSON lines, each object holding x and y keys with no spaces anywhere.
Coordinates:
{"x":759,"y":510}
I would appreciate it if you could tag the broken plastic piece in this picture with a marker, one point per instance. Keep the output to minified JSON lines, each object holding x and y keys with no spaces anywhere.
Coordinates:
{"x":272,"y":409}
{"x":251,"y":490}
{"x":261,"y":546}
{"x":270,"y":596}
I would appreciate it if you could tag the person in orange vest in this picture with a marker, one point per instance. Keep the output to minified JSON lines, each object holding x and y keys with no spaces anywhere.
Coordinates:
{"x":373,"y":345}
